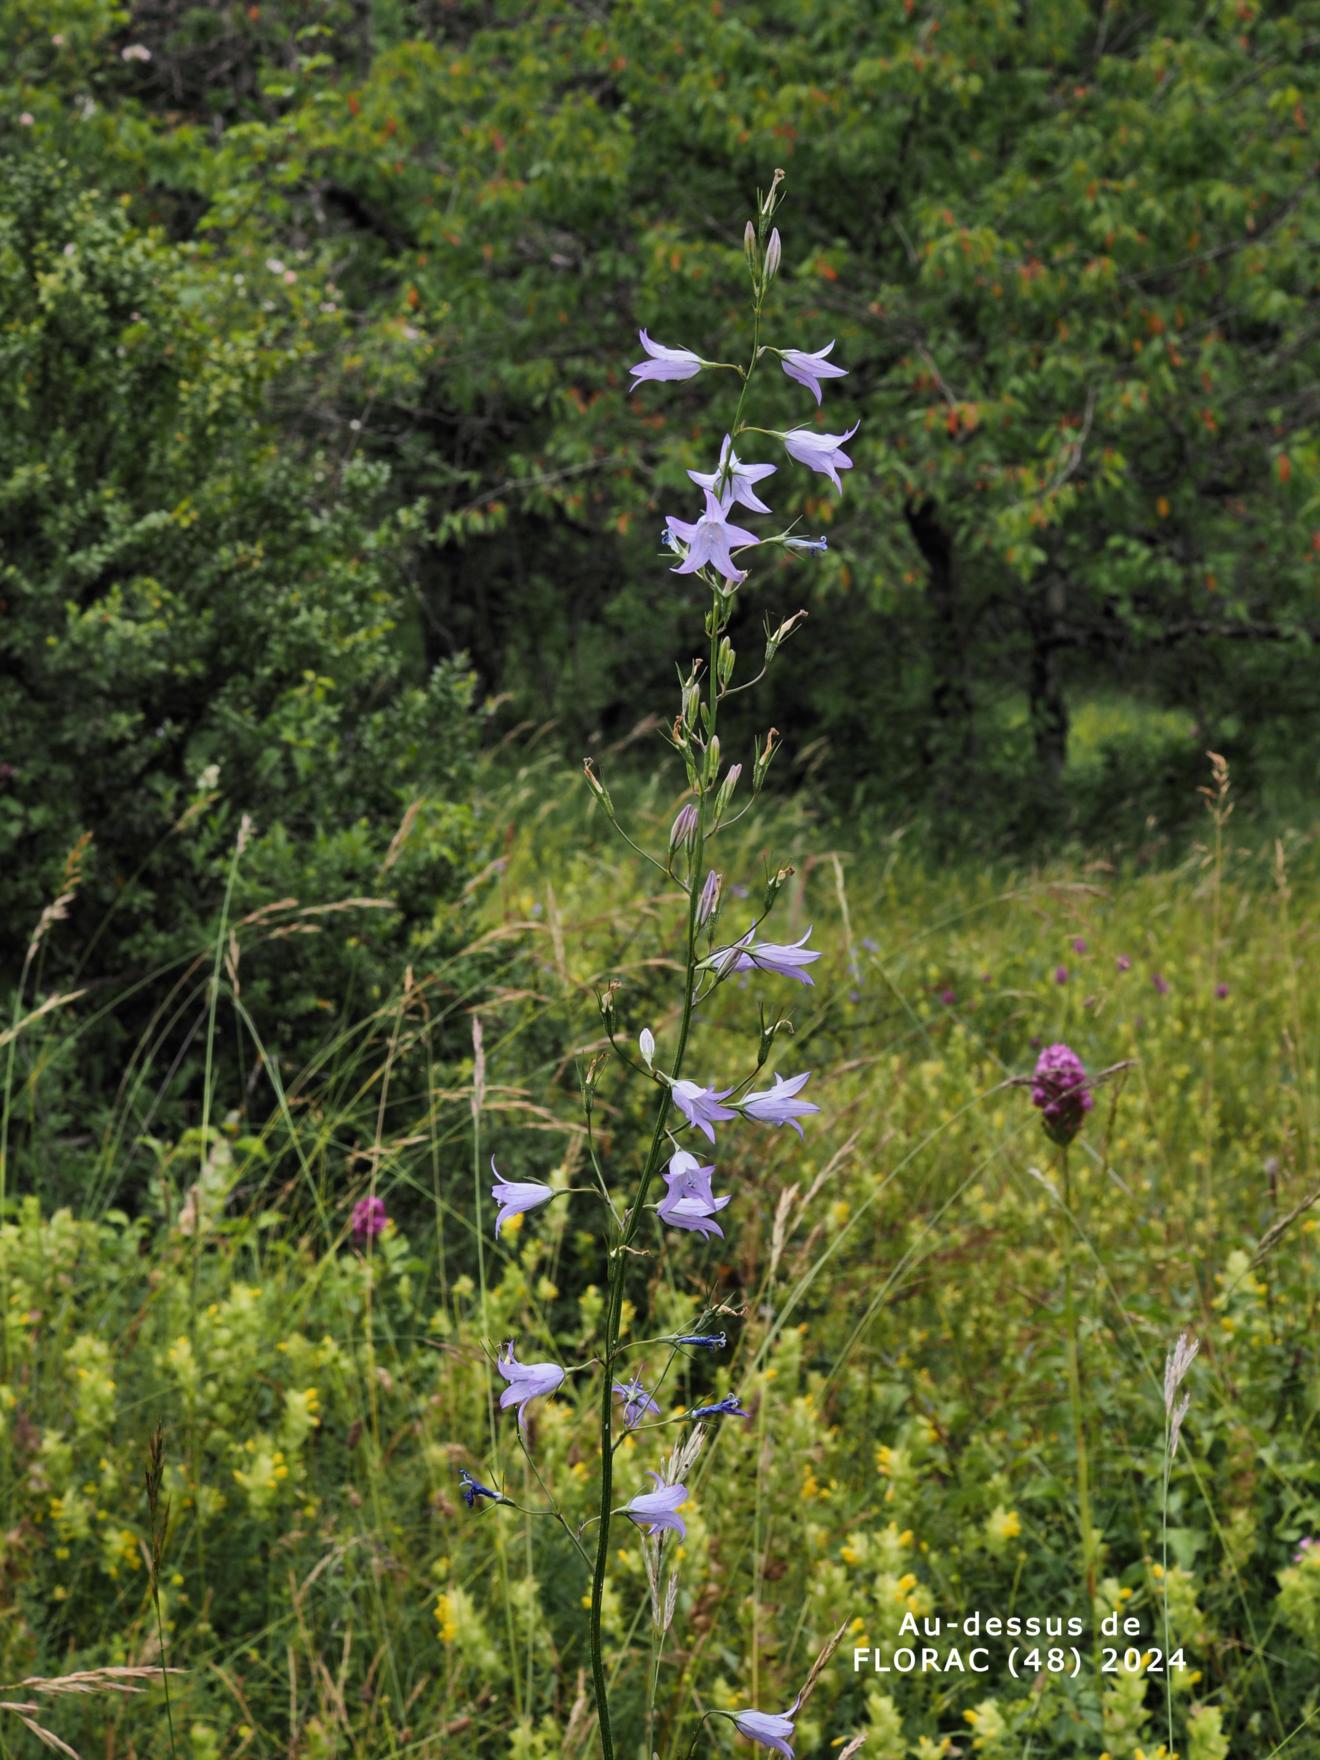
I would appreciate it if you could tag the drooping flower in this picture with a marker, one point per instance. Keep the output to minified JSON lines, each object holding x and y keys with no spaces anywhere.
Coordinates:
{"x":724,"y":1408}
{"x":1059,"y":1088}
{"x":665,"y":363}
{"x":810,"y":369}
{"x":369,"y":1218}
{"x":780,"y":1105}
{"x":689,"y":1202}
{"x":515,"y":1196}
{"x":637,"y":1402}
{"x":527,"y":1381}
{"x":657,"y":1510}
{"x":709,"y":541}
{"x":706,"y":1341}
{"x":732,"y":480}
{"x":471,"y":1489}
{"x":701,"y":1106}
{"x":821,"y":452}
{"x":772,"y":1729}
{"x":785,"y":960}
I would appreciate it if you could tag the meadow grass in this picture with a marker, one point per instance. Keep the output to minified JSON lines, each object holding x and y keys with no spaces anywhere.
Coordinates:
{"x":894,"y":1287}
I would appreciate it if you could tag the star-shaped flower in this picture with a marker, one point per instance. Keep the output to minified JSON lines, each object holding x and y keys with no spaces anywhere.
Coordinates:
{"x":709,"y":540}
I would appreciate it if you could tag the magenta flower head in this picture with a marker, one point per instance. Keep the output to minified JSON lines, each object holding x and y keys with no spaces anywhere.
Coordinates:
{"x":784,"y":960}
{"x":810,"y":369}
{"x":821,"y":452}
{"x":514,"y":1196}
{"x":527,"y":1381}
{"x":665,"y":363}
{"x":1221,"y":991}
{"x":772,"y":1729}
{"x":709,"y":541}
{"x":1059,"y":1088}
{"x":369,"y":1219}
{"x":780,"y":1105}
{"x":1306,"y":1548}
{"x":701,"y":1106}
{"x":1060,"y":974}
{"x":1160,"y":982}
{"x":657,"y":1510}
{"x":1079,"y":944}
{"x":637,"y":1402}
{"x":1123,"y":963}
{"x":732,"y":480}
{"x":689,"y":1202}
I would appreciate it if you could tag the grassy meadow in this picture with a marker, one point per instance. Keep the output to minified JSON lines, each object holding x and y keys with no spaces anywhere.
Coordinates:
{"x":895,"y":1289}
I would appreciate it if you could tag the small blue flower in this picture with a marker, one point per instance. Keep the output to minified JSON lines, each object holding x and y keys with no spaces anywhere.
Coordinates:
{"x":710,"y":1341}
{"x":724,"y":1408}
{"x":818,"y":546}
{"x":472,"y":1489}
{"x":637,"y":1402}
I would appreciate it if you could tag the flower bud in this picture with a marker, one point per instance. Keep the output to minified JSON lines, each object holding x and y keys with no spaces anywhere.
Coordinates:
{"x":771,"y":257}
{"x":712,"y":769}
{"x":597,"y":787}
{"x":775,"y":639}
{"x":749,"y":245}
{"x":764,"y":756}
{"x":726,"y":791}
{"x":589,"y":1083}
{"x":726,"y":660}
{"x":691,"y":702}
{"x":646,"y":1045}
{"x":606,"y":1001}
{"x":769,"y":1034}
{"x":684,"y":827}
{"x":709,"y":902}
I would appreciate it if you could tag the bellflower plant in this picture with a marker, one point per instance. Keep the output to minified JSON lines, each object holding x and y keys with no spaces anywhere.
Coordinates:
{"x":714,"y":557}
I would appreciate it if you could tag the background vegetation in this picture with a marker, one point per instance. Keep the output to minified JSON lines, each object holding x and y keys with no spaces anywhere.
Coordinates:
{"x":328,"y":540}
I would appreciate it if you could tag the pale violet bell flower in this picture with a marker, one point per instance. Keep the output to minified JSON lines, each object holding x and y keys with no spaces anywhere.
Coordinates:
{"x":732,"y":480}
{"x":514,"y":1196}
{"x":780,"y":1105}
{"x":786,"y":960}
{"x":657,"y":1510}
{"x":646,"y":1045}
{"x":689,"y":1202}
{"x":701,"y":1106}
{"x":822,"y":452}
{"x":810,"y":369}
{"x":771,"y":1728}
{"x":710,"y":541}
{"x":817,"y":546}
{"x":527,"y":1381}
{"x":665,"y":363}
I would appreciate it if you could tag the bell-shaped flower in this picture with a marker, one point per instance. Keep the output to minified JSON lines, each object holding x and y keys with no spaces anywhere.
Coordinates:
{"x":471,"y":1489}
{"x":709,"y":541}
{"x":637,"y":1402}
{"x":810,"y":369}
{"x":772,"y":1729}
{"x":822,"y":452}
{"x":732,"y":480}
{"x":701,"y":1106}
{"x":514,"y":1196}
{"x":785,"y":960}
{"x":780,"y":1105}
{"x":527,"y":1381}
{"x":658,"y":1509}
{"x":689,"y":1202}
{"x":665,"y":363}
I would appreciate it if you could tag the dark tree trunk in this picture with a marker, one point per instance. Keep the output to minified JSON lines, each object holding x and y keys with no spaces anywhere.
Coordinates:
{"x":951,"y":744}
{"x":1048,"y":706}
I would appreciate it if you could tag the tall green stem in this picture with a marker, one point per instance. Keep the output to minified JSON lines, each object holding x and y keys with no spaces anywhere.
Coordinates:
{"x":1075,"y":1392}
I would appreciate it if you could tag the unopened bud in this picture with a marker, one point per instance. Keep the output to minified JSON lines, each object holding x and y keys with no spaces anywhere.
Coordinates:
{"x":606,"y":1002}
{"x":772,"y":257}
{"x":646,"y":1045}
{"x":775,"y":638}
{"x":769,"y":1034}
{"x":597,"y":787}
{"x":726,"y":791}
{"x":764,"y":756}
{"x":709,"y":902}
{"x":770,"y":200}
{"x":589,"y":1083}
{"x":726,"y":660}
{"x":684,"y":827}
{"x":712,"y":769}
{"x":749,"y":245}
{"x":691,"y":702}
